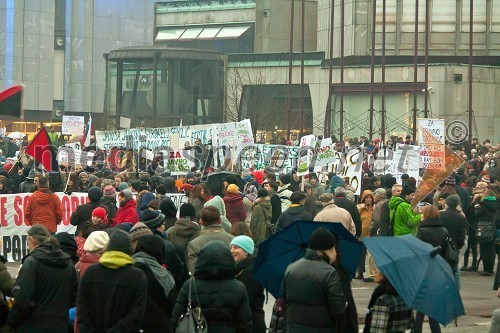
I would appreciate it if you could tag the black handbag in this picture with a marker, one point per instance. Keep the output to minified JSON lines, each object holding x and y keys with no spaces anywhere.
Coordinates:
{"x":451,"y":253}
{"x":193,"y":320}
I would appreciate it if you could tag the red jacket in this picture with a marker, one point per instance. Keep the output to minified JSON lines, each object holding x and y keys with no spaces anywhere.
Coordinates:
{"x":45,"y":208}
{"x":235,"y":211}
{"x":127,"y":213}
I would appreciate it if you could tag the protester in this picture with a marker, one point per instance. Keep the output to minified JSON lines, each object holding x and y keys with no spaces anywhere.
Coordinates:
{"x":44,"y":207}
{"x":365,"y":209}
{"x":235,"y":211}
{"x":272,"y":188}
{"x":487,"y":212}
{"x":138,"y":230}
{"x":108,"y":201}
{"x":332,"y":213}
{"x":115,"y":283}
{"x":214,"y":274}
{"x":218,"y":203}
{"x":284,"y":191}
{"x":317,"y":188}
{"x":405,"y":218}
{"x":261,"y":218}
{"x":98,"y":221}
{"x":83,"y":213}
{"x":243,"y":252}
{"x":197,"y":199}
{"x":312,"y":290}
{"x":250,"y":192}
{"x":185,"y":229}
{"x":212,"y":230}
{"x":127,"y":210}
{"x":296,"y":211}
{"x":240,"y":228}
{"x":343,"y":202}
{"x":95,"y":245}
{"x":45,"y":288}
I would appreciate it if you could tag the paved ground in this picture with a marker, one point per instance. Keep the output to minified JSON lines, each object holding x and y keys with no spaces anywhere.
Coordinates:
{"x":477,"y":294}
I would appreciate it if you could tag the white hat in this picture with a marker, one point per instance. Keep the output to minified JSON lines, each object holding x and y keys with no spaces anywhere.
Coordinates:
{"x":96,"y":242}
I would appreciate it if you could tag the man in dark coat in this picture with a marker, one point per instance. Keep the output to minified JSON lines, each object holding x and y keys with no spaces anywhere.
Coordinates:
{"x":342,"y":201}
{"x":46,"y":286}
{"x":83,"y":213}
{"x":454,"y":221}
{"x":272,"y":189}
{"x":112,"y":295}
{"x":296,"y":211}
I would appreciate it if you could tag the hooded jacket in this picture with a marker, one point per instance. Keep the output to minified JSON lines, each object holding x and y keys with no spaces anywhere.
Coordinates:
{"x":127,"y":213}
{"x":284,"y":194}
{"x":83,"y":213}
{"x":235,"y":211}
{"x":144,"y":201}
{"x":488,"y":209}
{"x":223,"y":299}
{"x":183,"y":232}
{"x":218,"y":203}
{"x":350,"y":206}
{"x":44,"y":292}
{"x":261,"y":217}
{"x":365,"y":213}
{"x":432,"y":231}
{"x":296,"y":212}
{"x":45,"y":208}
{"x":112,"y":208}
{"x":405,"y":221}
{"x":168,"y":208}
{"x":207,"y":234}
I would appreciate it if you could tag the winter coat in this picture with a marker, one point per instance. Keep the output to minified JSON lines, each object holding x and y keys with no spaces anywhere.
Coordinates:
{"x":317,"y":190}
{"x":276,"y":206}
{"x":45,"y":208}
{"x":350,"y":206}
{"x":365,"y":213}
{"x":127,"y":213}
{"x":126,"y":296}
{"x":376,"y":216}
{"x":112,"y":208}
{"x":7,"y":283}
{"x":284,"y":194}
{"x":296,"y":212}
{"x":82,"y":214}
{"x":222,"y":298}
{"x":385,"y":226}
{"x":261,"y":217}
{"x":488,"y":208}
{"x":44,"y":292}
{"x":86,"y":260}
{"x":433,"y":232}
{"x":144,"y":201}
{"x":183,"y":232}
{"x":248,"y":204}
{"x":89,"y":227}
{"x":198,"y":206}
{"x":174,"y":260}
{"x":312,"y":292}
{"x":208,"y":234}
{"x":348,"y":321}
{"x":333,"y":213}
{"x":26,"y":186}
{"x":405,"y":221}
{"x":456,"y":224}
{"x":244,"y":273}
{"x":235,"y":211}
{"x":218,"y":203}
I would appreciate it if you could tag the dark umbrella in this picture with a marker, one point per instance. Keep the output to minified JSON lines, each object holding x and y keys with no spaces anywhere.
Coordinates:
{"x":422,"y":278}
{"x":289,"y":245}
{"x":215,"y":181}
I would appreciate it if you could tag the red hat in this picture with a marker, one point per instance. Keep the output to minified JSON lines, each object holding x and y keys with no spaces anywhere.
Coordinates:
{"x":99,"y":212}
{"x":186,"y":187}
{"x":376,"y":140}
{"x":7,"y":167}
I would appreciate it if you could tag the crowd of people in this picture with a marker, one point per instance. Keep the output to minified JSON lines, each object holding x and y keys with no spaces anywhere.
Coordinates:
{"x":135,"y":255}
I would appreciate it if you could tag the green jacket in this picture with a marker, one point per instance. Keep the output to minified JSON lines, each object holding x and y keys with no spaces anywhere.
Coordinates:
{"x":405,"y":221}
{"x":261,"y":217}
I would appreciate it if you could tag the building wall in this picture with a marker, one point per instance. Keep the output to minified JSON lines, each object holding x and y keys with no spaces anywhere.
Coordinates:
{"x":92,"y":27}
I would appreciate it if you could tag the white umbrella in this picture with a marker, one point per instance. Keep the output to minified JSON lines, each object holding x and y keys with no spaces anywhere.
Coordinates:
{"x":16,"y":135}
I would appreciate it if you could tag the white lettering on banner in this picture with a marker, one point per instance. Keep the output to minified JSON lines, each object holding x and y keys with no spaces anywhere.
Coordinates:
{"x":14,"y":228}
{"x":68,"y":155}
{"x":350,"y":166}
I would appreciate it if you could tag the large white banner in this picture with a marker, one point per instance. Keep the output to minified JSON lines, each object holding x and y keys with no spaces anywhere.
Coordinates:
{"x":349,"y":166}
{"x":260,"y":156}
{"x":14,"y":228}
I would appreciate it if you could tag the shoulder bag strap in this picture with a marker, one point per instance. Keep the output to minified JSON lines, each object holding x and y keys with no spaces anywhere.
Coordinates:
{"x":189,"y":294}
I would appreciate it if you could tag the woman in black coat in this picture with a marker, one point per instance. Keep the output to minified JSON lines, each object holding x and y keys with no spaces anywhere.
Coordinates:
{"x":243,"y":252}
{"x":222,"y":298}
{"x":431,"y":231}
{"x":486,"y":212}
{"x":162,"y":294}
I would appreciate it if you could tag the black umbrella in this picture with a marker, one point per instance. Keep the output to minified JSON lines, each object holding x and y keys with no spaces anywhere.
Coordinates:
{"x":215,"y":181}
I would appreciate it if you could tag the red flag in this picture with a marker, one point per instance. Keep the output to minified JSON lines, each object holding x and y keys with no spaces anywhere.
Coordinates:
{"x":43,"y":151}
{"x":10,"y":102}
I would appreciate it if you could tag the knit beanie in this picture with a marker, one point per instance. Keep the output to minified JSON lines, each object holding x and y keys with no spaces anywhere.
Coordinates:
{"x":99,"y":212}
{"x":126,"y":193}
{"x":82,"y":174}
{"x":450,"y":180}
{"x":119,"y":241}
{"x":152,"y":219}
{"x":452,"y":201}
{"x":322,"y":239}
{"x":122,"y":186}
{"x":486,"y":179}
{"x":97,"y":241}
{"x":139,"y":230}
{"x":187,"y":210}
{"x":233,"y":189}
{"x":407,"y":189}
{"x":262,"y":193}
{"x":109,"y":192}
{"x":285,"y":178}
{"x":94,"y":194}
{"x":245,"y":242}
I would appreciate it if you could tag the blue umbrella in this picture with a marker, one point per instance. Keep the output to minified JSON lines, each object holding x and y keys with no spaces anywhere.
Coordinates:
{"x":289,"y":245}
{"x":423,"y":279}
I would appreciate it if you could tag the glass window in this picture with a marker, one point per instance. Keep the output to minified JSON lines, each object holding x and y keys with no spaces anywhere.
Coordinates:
{"x":390,"y":16}
{"x":191,"y":33}
{"x":479,"y":15}
{"x":169,"y":34}
{"x":495,"y":16}
{"x":209,"y":33}
{"x":232,"y":32}
{"x":408,"y":20}
{"x":444,"y":13}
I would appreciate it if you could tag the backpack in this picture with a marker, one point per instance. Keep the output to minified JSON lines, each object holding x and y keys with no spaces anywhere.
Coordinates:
{"x":486,"y":231}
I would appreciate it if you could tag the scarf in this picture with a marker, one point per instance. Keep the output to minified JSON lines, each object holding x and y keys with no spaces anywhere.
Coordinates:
{"x":163,"y":276}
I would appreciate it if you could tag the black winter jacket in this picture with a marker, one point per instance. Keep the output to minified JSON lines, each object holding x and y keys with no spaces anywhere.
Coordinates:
{"x":456,"y":224}
{"x":350,"y":206}
{"x":44,"y":292}
{"x":110,"y":203}
{"x":244,"y":273}
{"x":292,"y":214}
{"x":222,"y":298}
{"x":433,"y":232}
{"x":312,"y":292}
{"x":83,"y":213}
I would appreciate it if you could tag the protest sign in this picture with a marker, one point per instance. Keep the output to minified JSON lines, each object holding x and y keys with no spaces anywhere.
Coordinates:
{"x":244,"y":132}
{"x":324,"y":154}
{"x":72,"y":125}
{"x":260,"y":156}
{"x":307,"y":142}
{"x":406,"y":159}
{"x":226,"y":134}
{"x":14,"y":228}
{"x":69,"y":156}
{"x":431,"y":138}
{"x":349,"y":166}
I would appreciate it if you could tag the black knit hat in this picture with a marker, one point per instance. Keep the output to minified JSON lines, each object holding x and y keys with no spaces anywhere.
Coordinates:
{"x":152,"y":218}
{"x":119,"y":241}
{"x":94,"y":194}
{"x":407,"y":189}
{"x":452,"y":201}
{"x":322,"y":239}
{"x":285,"y":178}
{"x":262,"y":193}
{"x":187,"y":210}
